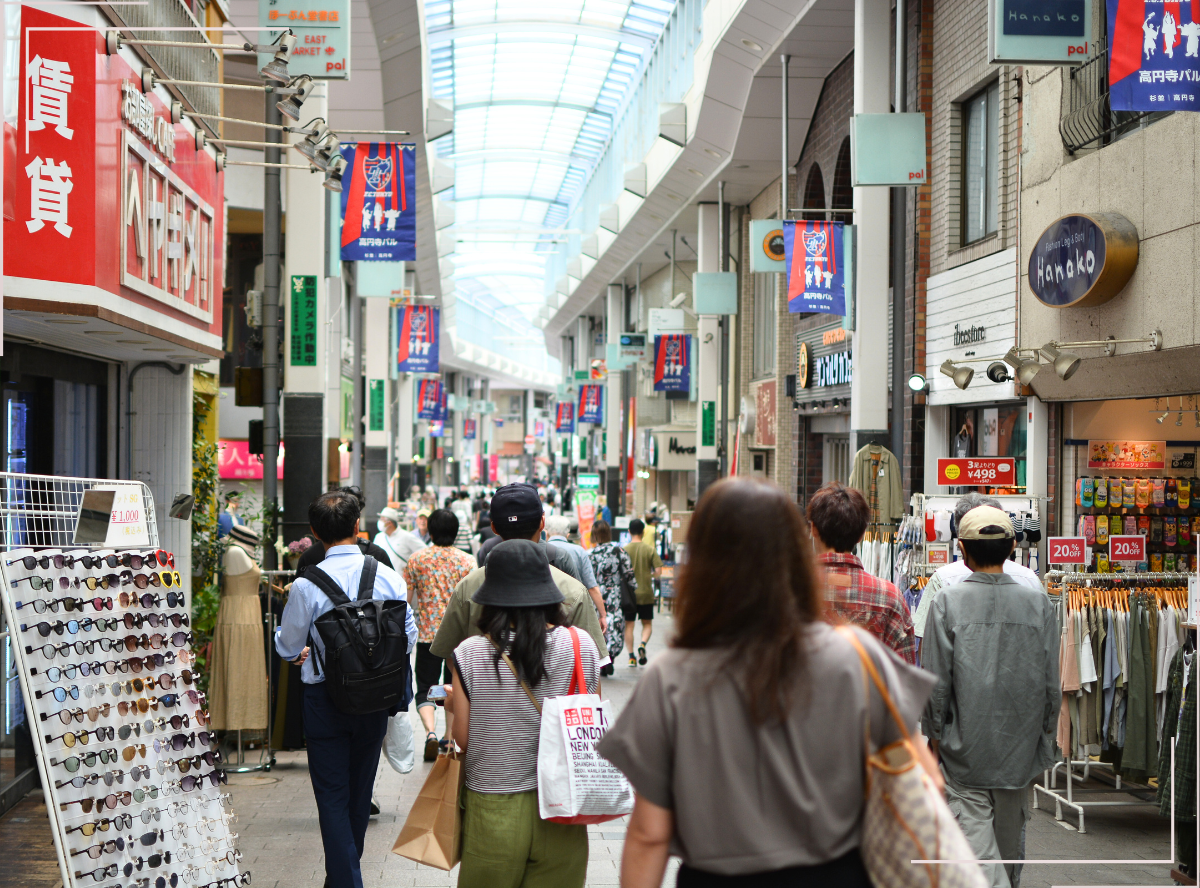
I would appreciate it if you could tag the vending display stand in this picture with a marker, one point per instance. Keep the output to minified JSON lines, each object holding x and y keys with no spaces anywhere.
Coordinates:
{"x":102,"y":642}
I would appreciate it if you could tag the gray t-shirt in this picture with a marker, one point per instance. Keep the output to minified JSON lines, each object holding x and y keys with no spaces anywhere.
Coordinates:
{"x":752,"y":798}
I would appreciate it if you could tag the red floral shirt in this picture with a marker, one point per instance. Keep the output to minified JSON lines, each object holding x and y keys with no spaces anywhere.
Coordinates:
{"x":431,"y":575}
{"x":874,"y":604}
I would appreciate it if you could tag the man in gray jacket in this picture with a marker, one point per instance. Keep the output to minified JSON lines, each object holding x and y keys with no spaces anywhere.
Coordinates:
{"x":993,"y":643}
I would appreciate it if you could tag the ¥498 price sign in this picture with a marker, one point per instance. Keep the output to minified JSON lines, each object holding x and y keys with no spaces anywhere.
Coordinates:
{"x":976,"y":471}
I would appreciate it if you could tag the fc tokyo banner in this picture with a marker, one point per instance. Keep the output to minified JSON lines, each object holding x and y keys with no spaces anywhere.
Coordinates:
{"x":379,"y":202}
{"x":564,"y":420}
{"x":468,"y":430}
{"x":672,"y":363}
{"x":816,"y":270}
{"x":1154,"y":55}
{"x":418,"y":339}
{"x":591,"y":403}
{"x":431,"y":398}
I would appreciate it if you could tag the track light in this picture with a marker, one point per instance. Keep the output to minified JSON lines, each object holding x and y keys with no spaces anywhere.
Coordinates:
{"x":290,"y":106}
{"x":333,"y":175}
{"x":277,"y":68}
{"x":1024,"y":368}
{"x":918,"y":383}
{"x":1160,"y":419}
{"x":1065,"y":362}
{"x":997,"y":372}
{"x":311,"y":144}
{"x":962,"y":376}
{"x":1179,"y":421}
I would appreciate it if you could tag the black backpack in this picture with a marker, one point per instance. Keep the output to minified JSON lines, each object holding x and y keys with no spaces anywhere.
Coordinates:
{"x":366,"y":645}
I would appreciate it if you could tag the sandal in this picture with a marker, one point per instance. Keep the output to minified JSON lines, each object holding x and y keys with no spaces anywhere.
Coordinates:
{"x":444,"y":745}
{"x":632,"y":661}
{"x":431,"y":747}
{"x":641,"y":654}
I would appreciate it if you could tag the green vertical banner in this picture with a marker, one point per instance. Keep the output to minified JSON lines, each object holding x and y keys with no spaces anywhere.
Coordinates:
{"x":375,"y":409}
{"x":304,"y":320}
{"x":708,"y":424}
{"x":583,"y":442}
{"x":566,"y":448}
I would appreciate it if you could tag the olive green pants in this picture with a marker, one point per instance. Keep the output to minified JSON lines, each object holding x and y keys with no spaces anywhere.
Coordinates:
{"x":505,"y":844}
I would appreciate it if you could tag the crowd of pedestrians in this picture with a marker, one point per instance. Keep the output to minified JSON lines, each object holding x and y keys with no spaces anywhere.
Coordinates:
{"x":745,"y":741}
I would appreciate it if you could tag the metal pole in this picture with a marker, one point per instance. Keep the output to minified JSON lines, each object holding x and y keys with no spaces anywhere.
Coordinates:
{"x":356,"y":339}
{"x":272,"y":211}
{"x":899,"y":255}
{"x":723,"y":265}
{"x":783,"y":182}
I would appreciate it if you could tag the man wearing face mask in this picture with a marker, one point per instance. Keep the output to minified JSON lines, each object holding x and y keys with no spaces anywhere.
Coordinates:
{"x":399,"y":545}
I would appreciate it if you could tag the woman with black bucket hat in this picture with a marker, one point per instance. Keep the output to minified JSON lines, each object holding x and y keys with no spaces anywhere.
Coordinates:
{"x":525,"y":654}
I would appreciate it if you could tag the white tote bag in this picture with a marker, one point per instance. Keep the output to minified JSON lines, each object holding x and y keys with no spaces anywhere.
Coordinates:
{"x":398,"y":743}
{"x":576,"y":785}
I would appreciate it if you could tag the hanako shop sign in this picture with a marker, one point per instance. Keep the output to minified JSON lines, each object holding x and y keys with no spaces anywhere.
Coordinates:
{"x":109,"y":191}
{"x":1083,"y":260}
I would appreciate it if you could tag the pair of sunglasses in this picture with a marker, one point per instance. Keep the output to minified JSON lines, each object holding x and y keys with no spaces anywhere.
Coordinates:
{"x":70,"y":738}
{"x":109,"y":847}
{"x":40,"y":606}
{"x":119,"y":822}
{"x":237,"y":881}
{"x":36,"y":582}
{"x":156,"y":641}
{"x":81,"y":781}
{"x":149,"y":600}
{"x":186,"y":764}
{"x":59,"y":694}
{"x":177,"y":742}
{"x":56,"y":674}
{"x":50,"y":651}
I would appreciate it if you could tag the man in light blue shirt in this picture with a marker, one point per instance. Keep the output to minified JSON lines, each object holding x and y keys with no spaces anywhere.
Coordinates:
{"x":343,"y":749}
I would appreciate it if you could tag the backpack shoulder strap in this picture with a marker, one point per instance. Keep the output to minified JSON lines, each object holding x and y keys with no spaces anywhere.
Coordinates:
{"x":366,"y":582}
{"x":325,"y":583}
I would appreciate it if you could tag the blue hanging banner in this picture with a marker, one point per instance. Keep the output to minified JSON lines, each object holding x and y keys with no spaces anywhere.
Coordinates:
{"x":591,"y":403}
{"x":565,"y":418}
{"x":816,"y":267}
{"x":672,"y":363}
{"x":431,"y":400}
{"x":379,"y":202}
{"x":468,"y":430}
{"x":1154,"y":55}
{"x":417,"y":337}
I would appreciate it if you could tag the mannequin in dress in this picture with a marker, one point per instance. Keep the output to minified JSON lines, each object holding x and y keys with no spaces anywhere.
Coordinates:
{"x":237,"y":686}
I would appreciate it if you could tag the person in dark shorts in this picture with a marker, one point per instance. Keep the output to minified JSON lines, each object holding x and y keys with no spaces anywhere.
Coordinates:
{"x":646,"y":567}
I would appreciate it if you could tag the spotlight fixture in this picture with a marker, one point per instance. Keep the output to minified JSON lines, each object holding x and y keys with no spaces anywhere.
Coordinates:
{"x":962,"y":376}
{"x":1025,"y":369}
{"x":277,"y":68}
{"x":311,"y":144}
{"x":300,"y":89}
{"x":918,"y":383}
{"x":1065,"y":362}
{"x":997,"y":372}
{"x":1160,"y":419}
{"x":333,"y":175}
{"x":1179,"y":421}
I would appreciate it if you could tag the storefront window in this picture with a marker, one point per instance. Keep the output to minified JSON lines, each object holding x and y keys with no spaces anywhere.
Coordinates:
{"x":765,"y":286}
{"x":991,"y":431}
{"x":981,"y":163}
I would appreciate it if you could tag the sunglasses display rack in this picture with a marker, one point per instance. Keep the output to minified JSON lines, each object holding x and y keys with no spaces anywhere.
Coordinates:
{"x":133,"y":783}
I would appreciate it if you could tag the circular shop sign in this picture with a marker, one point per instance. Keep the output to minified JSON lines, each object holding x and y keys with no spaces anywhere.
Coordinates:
{"x":802,"y":367}
{"x":953,"y":471}
{"x":1083,"y":260}
{"x":773,"y":245}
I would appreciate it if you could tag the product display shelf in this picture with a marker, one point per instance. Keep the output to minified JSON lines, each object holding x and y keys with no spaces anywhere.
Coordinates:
{"x":39,"y":516}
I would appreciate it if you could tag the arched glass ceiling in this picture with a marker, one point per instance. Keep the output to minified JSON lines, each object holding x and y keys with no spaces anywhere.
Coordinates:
{"x":535,"y":88}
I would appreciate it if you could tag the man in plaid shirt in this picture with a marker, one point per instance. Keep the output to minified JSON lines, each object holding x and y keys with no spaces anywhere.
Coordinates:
{"x":837,"y":517}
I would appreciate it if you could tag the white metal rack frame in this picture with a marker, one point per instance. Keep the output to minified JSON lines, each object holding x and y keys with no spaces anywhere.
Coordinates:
{"x":1067,"y":796}
{"x":39,"y":513}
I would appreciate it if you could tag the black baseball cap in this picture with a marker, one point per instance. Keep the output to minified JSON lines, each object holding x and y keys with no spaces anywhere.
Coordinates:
{"x":516,"y":504}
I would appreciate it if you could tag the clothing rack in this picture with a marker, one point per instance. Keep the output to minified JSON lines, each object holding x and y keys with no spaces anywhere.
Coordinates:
{"x":1057,"y":583}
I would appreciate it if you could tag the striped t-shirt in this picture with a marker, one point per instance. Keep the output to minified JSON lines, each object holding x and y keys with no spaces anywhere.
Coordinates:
{"x":502,"y":743}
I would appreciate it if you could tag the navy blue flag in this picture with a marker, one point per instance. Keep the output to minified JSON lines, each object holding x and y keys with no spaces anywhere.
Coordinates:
{"x":379,"y":202}
{"x":1154,"y":55}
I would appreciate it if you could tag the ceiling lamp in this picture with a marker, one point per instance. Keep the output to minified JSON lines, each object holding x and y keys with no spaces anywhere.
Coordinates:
{"x":962,"y":376}
{"x":1065,"y":363}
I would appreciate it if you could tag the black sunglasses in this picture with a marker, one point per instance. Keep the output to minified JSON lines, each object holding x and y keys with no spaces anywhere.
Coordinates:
{"x":29,"y":562}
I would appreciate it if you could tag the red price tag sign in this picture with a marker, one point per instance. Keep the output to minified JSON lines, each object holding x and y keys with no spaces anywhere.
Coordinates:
{"x":1127,"y":548}
{"x":1067,"y":550}
{"x":977,"y":471}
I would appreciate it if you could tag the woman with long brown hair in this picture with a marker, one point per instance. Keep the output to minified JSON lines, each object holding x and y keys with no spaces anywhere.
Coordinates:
{"x":745,"y":741}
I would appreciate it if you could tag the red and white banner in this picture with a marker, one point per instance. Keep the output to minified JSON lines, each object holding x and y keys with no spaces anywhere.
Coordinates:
{"x":1066,"y":550}
{"x":1127,"y":548}
{"x":977,"y":471}
{"x":106,"y":191}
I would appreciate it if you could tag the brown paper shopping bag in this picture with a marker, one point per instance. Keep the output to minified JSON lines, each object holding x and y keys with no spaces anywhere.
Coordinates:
{"x":432,"y":834}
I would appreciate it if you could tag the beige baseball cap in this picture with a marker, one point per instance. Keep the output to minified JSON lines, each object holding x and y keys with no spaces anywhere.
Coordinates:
{"x":985,"y":523}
